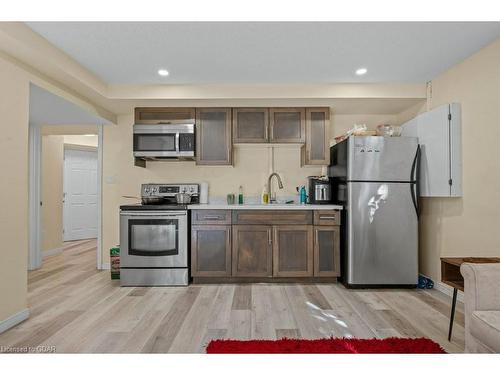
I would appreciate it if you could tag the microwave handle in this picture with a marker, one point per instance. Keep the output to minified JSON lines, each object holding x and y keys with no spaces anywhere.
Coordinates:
{"x":177,"y":147}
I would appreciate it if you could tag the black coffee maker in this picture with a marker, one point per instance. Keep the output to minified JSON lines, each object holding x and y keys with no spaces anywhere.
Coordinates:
{"x":320,"y":191}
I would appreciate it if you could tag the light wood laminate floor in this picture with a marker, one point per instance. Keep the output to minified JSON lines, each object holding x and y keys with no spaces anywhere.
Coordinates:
{"x":76,"y":308}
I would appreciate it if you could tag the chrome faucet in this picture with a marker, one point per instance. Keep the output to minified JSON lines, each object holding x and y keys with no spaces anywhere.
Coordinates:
{"x":272,"y":197}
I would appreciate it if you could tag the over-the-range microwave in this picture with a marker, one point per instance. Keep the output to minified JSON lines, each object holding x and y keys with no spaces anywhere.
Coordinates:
{"x":164,"y":141}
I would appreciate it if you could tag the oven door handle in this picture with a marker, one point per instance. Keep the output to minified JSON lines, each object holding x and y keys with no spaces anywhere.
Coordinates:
{"x":140,"y":213}
{"x":177,"y":143}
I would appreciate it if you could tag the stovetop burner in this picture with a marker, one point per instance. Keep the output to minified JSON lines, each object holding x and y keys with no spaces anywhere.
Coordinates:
{"x":167,"y":194}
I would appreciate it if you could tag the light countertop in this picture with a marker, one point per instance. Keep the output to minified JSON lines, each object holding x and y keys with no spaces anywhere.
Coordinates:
{"x":255,"y":206}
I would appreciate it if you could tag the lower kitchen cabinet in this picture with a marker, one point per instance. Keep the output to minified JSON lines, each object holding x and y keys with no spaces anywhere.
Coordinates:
{"x":210,"y":250}
{"x":265,"y":245}
{"x":327,"y":251}
{"x":293,"y":251}
{"x":252,"y":251}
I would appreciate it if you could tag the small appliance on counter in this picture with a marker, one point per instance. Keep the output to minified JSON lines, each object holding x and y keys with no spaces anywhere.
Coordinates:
{"x":319,"y":190}
{"x":154,"y":236}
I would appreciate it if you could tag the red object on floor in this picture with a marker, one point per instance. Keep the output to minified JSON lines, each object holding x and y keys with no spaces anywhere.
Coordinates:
{"x":394,"y":345}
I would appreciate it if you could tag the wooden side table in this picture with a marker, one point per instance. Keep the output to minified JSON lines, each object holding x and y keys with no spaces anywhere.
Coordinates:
{"x":450,"y":275}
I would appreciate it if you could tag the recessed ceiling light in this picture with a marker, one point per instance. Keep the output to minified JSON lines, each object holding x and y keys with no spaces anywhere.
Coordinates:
{"x":89,"y":135}
{"x":361,"y":71}
{"x":163,"y":72}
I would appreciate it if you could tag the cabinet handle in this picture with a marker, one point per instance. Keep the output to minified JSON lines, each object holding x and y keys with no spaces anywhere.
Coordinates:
{"x":327,"y":217}
{"x":213,"y":217}
{"x":269,"y":237}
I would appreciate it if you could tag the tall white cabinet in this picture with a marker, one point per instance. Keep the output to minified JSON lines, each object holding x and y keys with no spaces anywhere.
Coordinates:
{"x":440,"y":137}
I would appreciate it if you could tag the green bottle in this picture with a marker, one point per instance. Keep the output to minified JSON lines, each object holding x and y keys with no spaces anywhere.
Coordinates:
{"x":240,"y":195}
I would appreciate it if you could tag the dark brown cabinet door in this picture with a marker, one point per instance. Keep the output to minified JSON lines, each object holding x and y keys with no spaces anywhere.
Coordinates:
{"x":252,"y":251}
{"x":210,"y":250}
{"x":250,"y":125}
{"x":213,"y":136}
{"x":287,"y":125}
{"x":293,"y":251}
{"x":327,"y":251}
{"x":163,"y":115}
{"x":316,"y":149}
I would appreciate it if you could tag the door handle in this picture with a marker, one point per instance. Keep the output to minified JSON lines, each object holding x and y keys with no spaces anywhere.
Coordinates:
{"x":177,"y":146}
{"x":153,"y":214}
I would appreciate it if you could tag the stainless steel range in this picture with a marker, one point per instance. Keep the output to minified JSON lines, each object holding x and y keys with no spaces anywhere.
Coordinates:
{"x":154,"y":236}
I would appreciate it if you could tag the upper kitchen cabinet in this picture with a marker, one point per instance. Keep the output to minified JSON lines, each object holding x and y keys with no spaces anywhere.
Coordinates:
{"x":250,"y":125}
{"x":163,"y":115}
{"x":213,"y":136}
{"x":287,"y":125}
{"x":316,"y":151}
{"x":439,"y":134}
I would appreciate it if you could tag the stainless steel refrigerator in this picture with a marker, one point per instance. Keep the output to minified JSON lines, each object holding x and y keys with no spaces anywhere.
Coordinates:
{"x":376,"y":179}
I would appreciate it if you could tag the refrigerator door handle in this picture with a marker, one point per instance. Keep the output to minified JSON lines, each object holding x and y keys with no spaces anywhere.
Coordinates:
{"x":415,"y":184}
{"x":414,"y":197}
{"x":415,"y":167}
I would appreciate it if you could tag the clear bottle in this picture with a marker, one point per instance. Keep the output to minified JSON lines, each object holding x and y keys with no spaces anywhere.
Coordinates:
{"x":265,"y":195}
{"x":240,"y":195}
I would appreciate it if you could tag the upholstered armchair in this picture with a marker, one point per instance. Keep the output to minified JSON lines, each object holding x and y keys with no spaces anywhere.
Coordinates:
{"x":482,"y":307}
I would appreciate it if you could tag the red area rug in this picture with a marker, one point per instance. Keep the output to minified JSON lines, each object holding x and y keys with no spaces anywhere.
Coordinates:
{"x":332,"y":345}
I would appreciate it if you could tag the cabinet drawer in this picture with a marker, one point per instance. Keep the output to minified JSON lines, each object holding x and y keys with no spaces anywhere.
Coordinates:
{"x":272,"y":217}
{"x":326,"y":217}
{"x":211,"y":217}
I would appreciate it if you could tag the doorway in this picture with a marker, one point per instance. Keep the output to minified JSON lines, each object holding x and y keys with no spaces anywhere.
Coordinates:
{"x":69,"y":188}
{"x":50,"y":114}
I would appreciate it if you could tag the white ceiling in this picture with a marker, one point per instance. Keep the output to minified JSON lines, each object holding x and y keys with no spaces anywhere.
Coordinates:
{"x":49,"y":109}
{"x":271,"y":53}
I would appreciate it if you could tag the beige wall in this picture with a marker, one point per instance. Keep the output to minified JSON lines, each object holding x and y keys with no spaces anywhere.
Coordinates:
{"x":468,"y":226}
{"x":14,"y":102}
{"x":14,"y":110}
{"x":251,"y":169}
{"x":81,"y":140}
{"x":52,"y":191}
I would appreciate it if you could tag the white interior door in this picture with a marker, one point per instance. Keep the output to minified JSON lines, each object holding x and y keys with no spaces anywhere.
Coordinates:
{"x":80,"y":195}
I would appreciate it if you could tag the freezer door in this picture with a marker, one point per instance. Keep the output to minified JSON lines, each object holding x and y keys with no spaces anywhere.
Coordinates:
{"x":382,"y":246}
{"x":382,"y":158}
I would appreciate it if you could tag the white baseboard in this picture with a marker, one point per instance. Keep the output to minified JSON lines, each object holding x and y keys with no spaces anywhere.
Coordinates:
{"x":446,"y":289}
{"x":105,"y":266}
{"x":13,"y":320}
{"x":48,"y":253}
